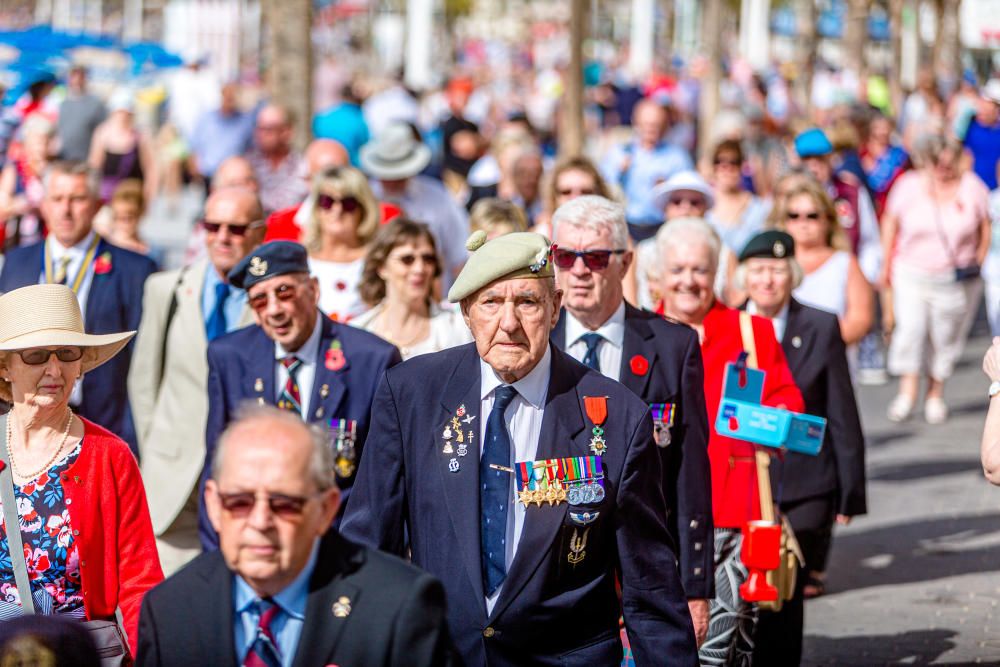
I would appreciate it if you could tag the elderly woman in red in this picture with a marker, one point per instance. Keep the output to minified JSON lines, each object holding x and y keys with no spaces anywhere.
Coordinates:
{"x":87,"y":544}
{"x":688,"y":251}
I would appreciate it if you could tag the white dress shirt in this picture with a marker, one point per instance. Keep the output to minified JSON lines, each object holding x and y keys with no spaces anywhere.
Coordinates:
{"x":76,"y":255}
{"x":308,"y":354}
{"x":779,"y":321}
{"x":524,"y":424}
{"x":609,"y":353}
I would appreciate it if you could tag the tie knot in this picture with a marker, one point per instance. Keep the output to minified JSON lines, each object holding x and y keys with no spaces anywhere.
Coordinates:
{"x":221,"y":291}
{"x":266,"y":611}
{"x":592,"y":340}
{"x":502,"y":397}
{"x":291,"y":362}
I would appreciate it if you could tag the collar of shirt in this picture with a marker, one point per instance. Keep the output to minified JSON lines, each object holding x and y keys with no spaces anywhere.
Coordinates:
{"x":533,"y":387}
{"x":309,"y":350}
{"x":75,"y":252}
{"x":292,"y":599}
{"x":779,"y":321}
{"x":613,"y":329}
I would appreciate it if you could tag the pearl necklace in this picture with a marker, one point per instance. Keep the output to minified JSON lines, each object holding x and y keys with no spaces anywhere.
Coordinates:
{"x":55,"y":455}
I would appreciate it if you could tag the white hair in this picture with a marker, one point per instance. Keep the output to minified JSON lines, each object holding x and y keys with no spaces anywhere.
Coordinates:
{"x":740,"y":275}
{"x":691,"y":231}
{"x":595,"y":213}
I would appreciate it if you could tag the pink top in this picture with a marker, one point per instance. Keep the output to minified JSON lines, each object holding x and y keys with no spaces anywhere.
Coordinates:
{"x":923,"y":224}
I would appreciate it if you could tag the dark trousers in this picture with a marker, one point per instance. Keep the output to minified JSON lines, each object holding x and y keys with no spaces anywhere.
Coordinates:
{"x":778,"y":639}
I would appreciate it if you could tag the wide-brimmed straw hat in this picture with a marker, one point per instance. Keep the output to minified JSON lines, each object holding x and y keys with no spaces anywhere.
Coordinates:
{"x":48,"y":315}
{"x":395,"y":154}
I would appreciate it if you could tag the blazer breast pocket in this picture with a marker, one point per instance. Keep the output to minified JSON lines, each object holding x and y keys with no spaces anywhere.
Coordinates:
{"x":582,"y":542}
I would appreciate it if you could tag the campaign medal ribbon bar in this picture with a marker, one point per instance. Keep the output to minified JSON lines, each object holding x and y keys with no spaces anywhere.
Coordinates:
{"x":663,"y":419}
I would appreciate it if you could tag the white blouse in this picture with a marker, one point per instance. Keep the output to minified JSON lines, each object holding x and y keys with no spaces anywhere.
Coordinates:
{"x":448,"y":329}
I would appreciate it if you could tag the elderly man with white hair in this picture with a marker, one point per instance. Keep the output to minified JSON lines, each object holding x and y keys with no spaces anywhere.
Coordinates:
{"x":659,"y":360}
{"x":689,"y":254}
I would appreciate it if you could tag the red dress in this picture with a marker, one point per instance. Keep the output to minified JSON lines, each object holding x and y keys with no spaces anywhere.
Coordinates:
{"x":735,"y":497}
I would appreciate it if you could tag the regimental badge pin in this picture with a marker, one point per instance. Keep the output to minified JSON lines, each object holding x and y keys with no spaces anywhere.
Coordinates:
{"x":584,"y":518}
{"x":448,"y":449}
{"x":463,"y":449}
{"x":258,"y":385}
{"x":342,"y":607}
{"x":468,"y":419}
{"x":448,"y":434}
{"x":324,"y":391}
{"x":461,"y":410}
{"x":577,"y":547}
{"x":796,"y":342}
{"x":453,"y":465}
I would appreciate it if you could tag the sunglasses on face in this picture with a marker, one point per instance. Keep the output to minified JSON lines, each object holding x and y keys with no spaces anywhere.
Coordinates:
{"x":408,"y":259}
{"x":234,"y":229}
{"x":595,"y":260}
{"x":39,"y":356}
{"x":795,"y":215}
{"x":240,"y":505}
{"x":690,"y":201}
{"x":578,"y":192}
{"x":729,"y":162}
{"x":260,"y":300}
{"x":347,"y":204}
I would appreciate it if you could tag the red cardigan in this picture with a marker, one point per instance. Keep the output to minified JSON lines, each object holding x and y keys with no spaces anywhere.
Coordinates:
{"x":735,"y":498}
{"x":110,"y":518}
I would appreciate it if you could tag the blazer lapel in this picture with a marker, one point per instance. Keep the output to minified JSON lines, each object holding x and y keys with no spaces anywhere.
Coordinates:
{"x":797,"y":330}
{"x":558,"y":335}
{"x":637,"y":332}
{"x":562,"y":422}
{"x":101,"y":286}
{"x":260,"y":369}
{"x":215,"y":605}
{"x":329,"y":387}
{"x":460,"y":474}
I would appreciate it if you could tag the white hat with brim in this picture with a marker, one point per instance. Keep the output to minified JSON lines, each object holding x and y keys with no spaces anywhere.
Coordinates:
{"x":395,"y":154}
{"x":689,"y":181}
{"x":991,"y":91}
{"x":49,"y":315}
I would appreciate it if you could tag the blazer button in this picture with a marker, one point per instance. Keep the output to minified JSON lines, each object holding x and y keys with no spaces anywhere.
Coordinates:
{"x":694,"y":523}
{"x":697,"y":546}
{"x":697,"y":571}
{"x":489,"y":632}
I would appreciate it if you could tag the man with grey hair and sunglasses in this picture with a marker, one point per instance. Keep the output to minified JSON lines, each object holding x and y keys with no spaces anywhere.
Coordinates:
{"x":659,"y":360}
{"x":285,"y":588}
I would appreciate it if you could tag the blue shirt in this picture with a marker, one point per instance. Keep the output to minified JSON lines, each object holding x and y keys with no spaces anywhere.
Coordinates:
{"x":235,"y":302}
{"x":345,"y":124}
{"x":218,"y":136}
{"x":286,"y":626}
{"x":984,"y":144}
{"x":646,"y":169}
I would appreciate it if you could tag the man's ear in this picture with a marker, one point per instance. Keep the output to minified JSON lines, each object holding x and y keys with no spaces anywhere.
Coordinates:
{"x":213,"y":504}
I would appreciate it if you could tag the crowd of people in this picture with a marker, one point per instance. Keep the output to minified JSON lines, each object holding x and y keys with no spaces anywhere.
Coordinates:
{"x":287,"y":438}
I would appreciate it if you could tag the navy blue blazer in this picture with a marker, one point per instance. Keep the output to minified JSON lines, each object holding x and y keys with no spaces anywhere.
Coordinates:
{"x":549,"y":611}
{"x":674,"y":375}
{"x":818,"y":360}
{"x":241,"y":368}
{"x":114,"y":304}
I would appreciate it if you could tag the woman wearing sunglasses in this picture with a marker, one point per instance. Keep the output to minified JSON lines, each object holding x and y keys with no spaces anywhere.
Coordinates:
{"x":571,"y":177}
{"x":738,"y":214}
{"x":398,"y":283}
{"x":343,"y":222}
{"x":88,"y":543}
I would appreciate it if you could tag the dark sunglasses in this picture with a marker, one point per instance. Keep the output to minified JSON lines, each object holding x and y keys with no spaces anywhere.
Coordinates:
{"x":408,"y":260}
{"x":795,"y":215}
{"x":347,"y":204}
{"x":595,"y":260}
{"x":235,"y":230}
{"x":38,"y":356}
{"x":692,"y":201}
{"x":579,"y":192}
{"x":241,"y":504}
{"x":732,"y":162}
{"x":282,"y":293}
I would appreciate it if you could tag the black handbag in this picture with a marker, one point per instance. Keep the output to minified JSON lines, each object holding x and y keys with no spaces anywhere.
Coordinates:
{"x":106,"y":634}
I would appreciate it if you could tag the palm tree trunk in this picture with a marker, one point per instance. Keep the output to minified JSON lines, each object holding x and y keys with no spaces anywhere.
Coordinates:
{"x":288,"y":44}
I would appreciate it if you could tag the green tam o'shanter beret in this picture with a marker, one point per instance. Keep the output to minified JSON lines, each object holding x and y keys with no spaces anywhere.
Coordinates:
{"x":516,"y":255}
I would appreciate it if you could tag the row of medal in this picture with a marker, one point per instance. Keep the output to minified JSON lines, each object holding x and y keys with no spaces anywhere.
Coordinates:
{"x":578,"y":480}
{"x":344,"y":436}
{"x":456,"y":440}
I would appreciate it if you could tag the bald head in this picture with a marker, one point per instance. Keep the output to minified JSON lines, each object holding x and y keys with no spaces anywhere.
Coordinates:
{"x":322,"y":154}
{"x":235,"y":172}
{"x":650,"y":122}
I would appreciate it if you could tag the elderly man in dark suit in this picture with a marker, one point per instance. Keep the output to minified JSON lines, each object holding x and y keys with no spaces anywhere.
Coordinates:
{"x":285,"y":588}
{"x":294,"y":357}
{"x":106,"y":279}
{"x":812,"y":491}
{"x":524,"y":480}
{"x":660,"y":361}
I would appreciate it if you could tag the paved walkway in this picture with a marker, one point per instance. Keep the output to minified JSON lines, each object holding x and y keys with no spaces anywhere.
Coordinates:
{"x":917,"y":581}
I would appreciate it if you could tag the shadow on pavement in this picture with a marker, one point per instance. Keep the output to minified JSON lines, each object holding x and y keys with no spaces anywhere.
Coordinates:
{"x":915,"y":647}
{"x":921,"y":551}
{"x":906,"y":472}
{"x":875,"y":438}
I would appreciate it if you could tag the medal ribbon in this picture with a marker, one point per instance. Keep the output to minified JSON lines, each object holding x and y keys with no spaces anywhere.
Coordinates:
{"x":597,"y":408}
{"x":88,"y":259}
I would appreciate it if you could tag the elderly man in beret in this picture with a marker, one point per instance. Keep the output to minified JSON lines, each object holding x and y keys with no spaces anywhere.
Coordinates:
{"x":294,"y":357}
{"x":525,"y":481}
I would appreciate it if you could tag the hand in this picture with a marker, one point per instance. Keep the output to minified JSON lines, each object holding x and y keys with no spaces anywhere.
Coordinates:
{"x":843,"y":519}
{"x":699,"y":616}
{"x":888,"y":322}
{"x":991,"y":362}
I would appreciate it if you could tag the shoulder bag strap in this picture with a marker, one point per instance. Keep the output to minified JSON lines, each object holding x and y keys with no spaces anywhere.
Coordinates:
{"x":749,"y":343}
{"x":762,"y":458}
{"x":171,"y":311}
{"x":13,"y":524}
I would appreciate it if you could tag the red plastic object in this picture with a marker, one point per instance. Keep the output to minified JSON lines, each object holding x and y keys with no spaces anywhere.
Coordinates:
{"x":760,"y":552}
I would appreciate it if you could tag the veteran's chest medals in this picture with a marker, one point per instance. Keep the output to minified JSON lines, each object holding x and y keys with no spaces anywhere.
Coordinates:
{"x":344,"y":433}
{"x":663,"y":421}
{"x":596,"y":408}
{"x":457,"y":441}
{"x":577,"y":479}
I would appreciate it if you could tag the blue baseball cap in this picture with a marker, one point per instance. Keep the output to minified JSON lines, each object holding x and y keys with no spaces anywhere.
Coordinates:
{"x":276,"y":258}
{"x":813,"y":143}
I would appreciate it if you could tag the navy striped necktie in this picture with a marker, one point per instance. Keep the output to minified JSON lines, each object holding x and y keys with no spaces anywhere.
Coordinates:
{"x":264,"y":651}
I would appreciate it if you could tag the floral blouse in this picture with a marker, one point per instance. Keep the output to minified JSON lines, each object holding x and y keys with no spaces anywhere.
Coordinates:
{"x":49,"y":545}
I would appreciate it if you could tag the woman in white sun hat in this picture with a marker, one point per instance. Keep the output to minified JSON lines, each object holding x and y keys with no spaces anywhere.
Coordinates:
{"x":84,"y":522}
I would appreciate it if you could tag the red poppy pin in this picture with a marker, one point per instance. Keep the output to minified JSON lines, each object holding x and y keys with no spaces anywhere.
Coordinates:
{"x":335,"y":358}
{"x":639,"y":365}
{"x":102,"y":264}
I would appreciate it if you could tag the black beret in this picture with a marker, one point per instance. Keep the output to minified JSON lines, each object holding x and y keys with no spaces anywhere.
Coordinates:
{"x":772,"y":244}
{"x":276,"y":258}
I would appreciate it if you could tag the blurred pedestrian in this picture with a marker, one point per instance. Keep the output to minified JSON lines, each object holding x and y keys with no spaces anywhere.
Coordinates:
{"x":344,"y":123}
{"x":285,"y":588}
{"x":398,"y":284}
{"x":280,"y":169}
{"x":119,"y":150}
{"x":21,"y":183}
{"x":221,"y":133}
{"x":84,"y":521}
{"x":182,"y":312}
{"x":496,"y":217}
{"x":936,"y":234}
{"x":127,"y":208}
{"x":106,"y":279}
{"x":571,"y":177}
{"x":289,"y":224}
{"x":883,"y":160}
{"x":982,"y":139}
{"x":79,"y":115}
{"x":736,"y":213}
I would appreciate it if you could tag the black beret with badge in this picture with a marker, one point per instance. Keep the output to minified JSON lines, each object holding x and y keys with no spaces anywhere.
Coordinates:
{"x":276,"y":258}
{"x":772,"y":244}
